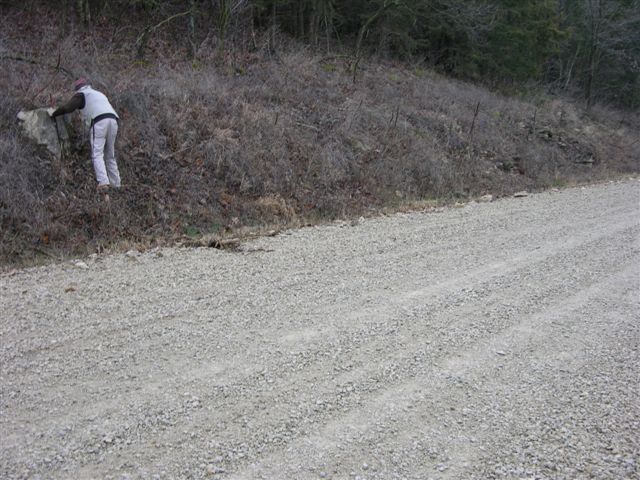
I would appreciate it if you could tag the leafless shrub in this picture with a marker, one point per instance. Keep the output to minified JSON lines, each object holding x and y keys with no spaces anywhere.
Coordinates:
{"x":25,"y":176}
{"x":256,"y":138}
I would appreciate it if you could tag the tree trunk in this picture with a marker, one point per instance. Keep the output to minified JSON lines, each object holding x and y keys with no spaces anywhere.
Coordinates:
{"x":363,"y":30}
{"x":192,"y":29}
{"x":300,"y":23}
{"x":84,"y":14}
{"x":63,"y":20}
{"x":274,"y":27}
{"x":570,"y":67}
{"x":328,"y":26}
{"x":595,"y":10}
{"x":224,"y":20}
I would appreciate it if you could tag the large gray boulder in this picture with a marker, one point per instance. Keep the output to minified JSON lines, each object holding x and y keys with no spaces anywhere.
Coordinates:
{"x":40,"y":127}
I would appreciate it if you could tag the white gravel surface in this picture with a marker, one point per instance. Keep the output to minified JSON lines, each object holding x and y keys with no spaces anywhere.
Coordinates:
{"x":495,"y":340}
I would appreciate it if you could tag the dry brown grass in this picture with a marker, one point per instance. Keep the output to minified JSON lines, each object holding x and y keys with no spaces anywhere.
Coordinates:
{"x":207,"y":148}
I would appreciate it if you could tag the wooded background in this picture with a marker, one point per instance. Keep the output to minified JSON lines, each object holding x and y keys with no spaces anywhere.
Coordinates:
{"x":588,"y":48}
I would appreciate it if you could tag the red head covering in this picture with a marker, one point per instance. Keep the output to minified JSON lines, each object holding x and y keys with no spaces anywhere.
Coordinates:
{"x":79,"y":83}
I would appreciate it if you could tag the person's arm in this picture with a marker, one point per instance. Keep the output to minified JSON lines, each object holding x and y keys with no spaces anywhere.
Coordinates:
{"x":76,"y":102}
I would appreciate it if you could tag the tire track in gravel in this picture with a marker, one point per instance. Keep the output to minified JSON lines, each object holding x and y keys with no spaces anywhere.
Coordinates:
{"x":468,"y":280}
{"x":166,"y":320}
{"x":394,"y":415}
{"x":366,"y":345}
{"x":94,"y":330}
{"x":545,"y":331}
{"x":258,"y":397}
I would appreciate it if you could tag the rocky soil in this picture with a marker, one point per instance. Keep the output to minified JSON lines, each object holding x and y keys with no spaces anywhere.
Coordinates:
{"x":494,"y":340}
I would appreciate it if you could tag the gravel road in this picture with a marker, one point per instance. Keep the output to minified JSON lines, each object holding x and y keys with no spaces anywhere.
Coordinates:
{"x":494,"y":340}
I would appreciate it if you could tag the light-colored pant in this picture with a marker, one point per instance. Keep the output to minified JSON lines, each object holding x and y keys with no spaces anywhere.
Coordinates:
{"x":103,"y":139}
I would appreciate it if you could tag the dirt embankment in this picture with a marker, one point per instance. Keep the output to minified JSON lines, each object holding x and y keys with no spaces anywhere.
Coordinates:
{"x":211,"y":145}
{"x":497,"y":340}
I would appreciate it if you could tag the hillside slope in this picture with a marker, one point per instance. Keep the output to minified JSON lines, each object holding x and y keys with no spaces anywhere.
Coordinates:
{"x":259,"y":137}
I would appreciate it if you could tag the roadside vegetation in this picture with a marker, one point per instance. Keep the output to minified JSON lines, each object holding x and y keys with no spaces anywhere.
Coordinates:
{"x":233,"y":118}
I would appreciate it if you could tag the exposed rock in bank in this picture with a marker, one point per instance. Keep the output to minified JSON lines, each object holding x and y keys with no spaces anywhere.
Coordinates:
{"x":40,"y":127}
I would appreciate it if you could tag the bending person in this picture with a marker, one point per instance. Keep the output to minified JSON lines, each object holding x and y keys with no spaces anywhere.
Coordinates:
{"x":98,"y":112}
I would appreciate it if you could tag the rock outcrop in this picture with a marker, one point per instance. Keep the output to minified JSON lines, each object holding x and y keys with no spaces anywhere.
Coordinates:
{"x":40,"y":127}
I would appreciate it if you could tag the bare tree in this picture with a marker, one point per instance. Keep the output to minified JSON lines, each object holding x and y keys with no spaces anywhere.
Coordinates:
{"x":384,"y":6}
{"x":84,"y":12}
{"x":604,"y":46}
{"x":224,"y":11}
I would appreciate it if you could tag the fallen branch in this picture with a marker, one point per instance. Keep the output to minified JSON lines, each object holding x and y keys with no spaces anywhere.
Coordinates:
{"x":211,"y":242}
{"x":32,"y":61}
{"x":141,"y":42}
{"x":57,"y":69}
{"x":311,"y":127}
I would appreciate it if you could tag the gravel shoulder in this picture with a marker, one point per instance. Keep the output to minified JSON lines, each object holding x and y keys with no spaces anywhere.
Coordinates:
{"x":496,"y":340}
